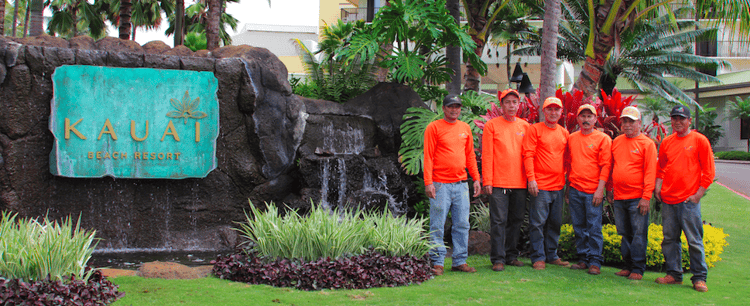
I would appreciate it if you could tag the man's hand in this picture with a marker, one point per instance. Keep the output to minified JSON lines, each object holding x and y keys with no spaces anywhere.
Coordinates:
{"x":487,"y":189}
{"x":644,"y":206}
{"x":477,"y":188}
{"x":598,"y":196}
{"x":657,"y":189}
{"x":430,"y":191}
{"x":533,"y":188}
{"x":697,"y":196}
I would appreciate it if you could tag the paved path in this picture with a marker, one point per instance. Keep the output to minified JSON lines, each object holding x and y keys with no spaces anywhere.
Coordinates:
{"x":734,"y":175}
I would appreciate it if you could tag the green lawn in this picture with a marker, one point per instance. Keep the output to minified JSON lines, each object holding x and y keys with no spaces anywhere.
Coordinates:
{"x":728,"y":282}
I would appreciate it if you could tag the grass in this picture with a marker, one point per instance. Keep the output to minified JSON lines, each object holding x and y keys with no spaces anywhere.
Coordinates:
{"x":729,"y":281}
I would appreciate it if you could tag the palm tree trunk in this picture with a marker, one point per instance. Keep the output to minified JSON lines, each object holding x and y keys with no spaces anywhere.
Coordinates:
{"x":382,"y":73}
{"x":549,"y":50}
{"x":453,"y":53}
{"x":179,"y":20}
{"x":125,"y":13}
{"x":603,"y":43}
{"x":26,"y":19}
{"x":37,"y":18}
{"x":74,"y":15}
{"x":2,"y":20}
{"x":212,"y":26}
{"x":15,"y":17}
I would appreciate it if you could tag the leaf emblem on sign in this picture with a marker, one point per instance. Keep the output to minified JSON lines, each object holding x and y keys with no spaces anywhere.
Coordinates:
{"x":186,"y":108}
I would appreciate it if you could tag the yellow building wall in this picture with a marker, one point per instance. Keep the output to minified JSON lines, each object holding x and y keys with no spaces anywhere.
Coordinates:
{"x":293,"y":64}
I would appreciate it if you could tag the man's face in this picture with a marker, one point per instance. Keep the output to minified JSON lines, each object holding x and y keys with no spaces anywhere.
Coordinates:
{"x":586,"y":120}
{"x":510,"y":105}
{"x":630,"y":127}
{"x":680,"y":124}
{"x":552,"y":114}
{"x":452,"y":111}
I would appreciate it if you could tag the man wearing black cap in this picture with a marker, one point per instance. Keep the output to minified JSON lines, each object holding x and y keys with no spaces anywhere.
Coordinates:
{"x":686,"y":169}
{"x":448,"y":153}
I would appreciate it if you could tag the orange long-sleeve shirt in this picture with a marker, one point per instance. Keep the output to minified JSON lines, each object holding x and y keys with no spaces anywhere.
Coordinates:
{"x":634,"y":167}
{"x":590,"y":160}
{"x":448,"y":152}
{"x":685,"y":164}
{"x":502,"y":155}
{"x":543,"y":155}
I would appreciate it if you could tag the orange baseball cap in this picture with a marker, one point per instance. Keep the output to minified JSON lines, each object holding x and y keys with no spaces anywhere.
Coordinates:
{"x":552,"y":101}
{"x":631,"y":112}
{"x":501,"y":95}
{"x":586,"y":107}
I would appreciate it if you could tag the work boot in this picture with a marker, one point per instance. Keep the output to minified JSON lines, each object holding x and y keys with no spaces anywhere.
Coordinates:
{"x":437,"y":270}
{"x":516,"y":262}
{"x":559,"y":262}
{"x":594,"y":270}
{"x":539,"y":265}
{"x":579,"y":266}
{"x":464,"y":268}
{"x":623,"y":272}
{"x":635,"y":276}
{"x":498,"y":267}
{"x":668,"y":280}
{"x":700,"y":286}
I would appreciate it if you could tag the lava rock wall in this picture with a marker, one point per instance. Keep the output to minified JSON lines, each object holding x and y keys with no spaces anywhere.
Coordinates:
{"x":265,"y":132}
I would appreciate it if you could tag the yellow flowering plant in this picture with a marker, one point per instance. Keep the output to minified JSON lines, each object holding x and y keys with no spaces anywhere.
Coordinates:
{"x":714,"y":241}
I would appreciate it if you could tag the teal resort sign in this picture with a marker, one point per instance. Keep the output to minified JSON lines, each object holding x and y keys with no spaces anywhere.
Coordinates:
{"x":133,"y":122}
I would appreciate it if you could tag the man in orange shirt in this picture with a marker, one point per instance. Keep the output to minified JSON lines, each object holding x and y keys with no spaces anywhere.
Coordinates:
{"x":543,"y":152}
{"x":633,"y":177}
{"x":448,"y":152}
{"x":686,"y":169}
{"x":588,"y":171}
{"x":505,"y":180}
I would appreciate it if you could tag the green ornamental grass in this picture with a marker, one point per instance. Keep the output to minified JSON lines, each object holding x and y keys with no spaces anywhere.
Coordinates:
{"x":333,"y":234}
{"x":31,"y":250}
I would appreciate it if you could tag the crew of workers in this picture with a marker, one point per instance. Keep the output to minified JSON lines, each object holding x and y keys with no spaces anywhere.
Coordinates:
{"x":546,"y":163}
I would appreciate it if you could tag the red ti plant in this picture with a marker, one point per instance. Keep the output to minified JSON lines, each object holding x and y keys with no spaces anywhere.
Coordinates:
{"x":656,"y":131}
{"x":612,"y":106}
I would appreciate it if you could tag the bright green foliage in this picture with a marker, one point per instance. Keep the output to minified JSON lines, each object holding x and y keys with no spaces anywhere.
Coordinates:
{"x":417,"y":31}
{"x":71,"y":17}
{"x":480,"y":218}
{"x":196,"y":18}
{"x":331,"y":79}
{"x":333,"y":234}
{"x":707,"y":126}
{"x":34,"y":250}
{"x":411,"y":153}
{"x":195,"y":41}
{"x":733,"y":155}
{"x":714,"y":240}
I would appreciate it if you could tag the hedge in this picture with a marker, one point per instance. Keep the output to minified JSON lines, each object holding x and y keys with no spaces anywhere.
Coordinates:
{"x":733,"y":155}
{"x":714,"y":240}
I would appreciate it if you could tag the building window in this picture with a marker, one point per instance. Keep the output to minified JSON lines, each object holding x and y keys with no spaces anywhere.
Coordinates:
{"x":745,"y":128}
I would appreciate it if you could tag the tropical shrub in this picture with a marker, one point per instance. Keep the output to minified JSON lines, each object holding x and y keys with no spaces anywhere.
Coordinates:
{"x":480,"y":218}
{"x":714,"y":240}
{"x":368,"y":270}
{"x":44,"y":263}
{"x":733,"y":155}
{"x":333,"y":234}
{"x":706,"y":124}
{"x":33,"y":250}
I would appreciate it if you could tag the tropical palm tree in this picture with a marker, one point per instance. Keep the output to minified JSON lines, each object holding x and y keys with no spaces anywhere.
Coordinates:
{"x":740,"y":110}
{"x":36,"y":17}
{"x":481,"y":15}
{"x":68,"y":16}
{"x":550,"y":28}
{"x":196,"y":19}
{"x":2,"y":20}
{"x":147,"y":13}
{"x":650,"y":51}
{"x":511,"y":27}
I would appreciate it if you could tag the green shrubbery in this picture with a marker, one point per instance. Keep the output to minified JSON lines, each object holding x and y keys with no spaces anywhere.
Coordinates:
{"x":733,"y":155}
{"x":333,"y":234}
{"x":714,"y":240}
{"x":31,"y":250}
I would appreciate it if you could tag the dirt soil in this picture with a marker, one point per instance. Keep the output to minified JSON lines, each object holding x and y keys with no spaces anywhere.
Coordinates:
{"x":165,"y":270}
